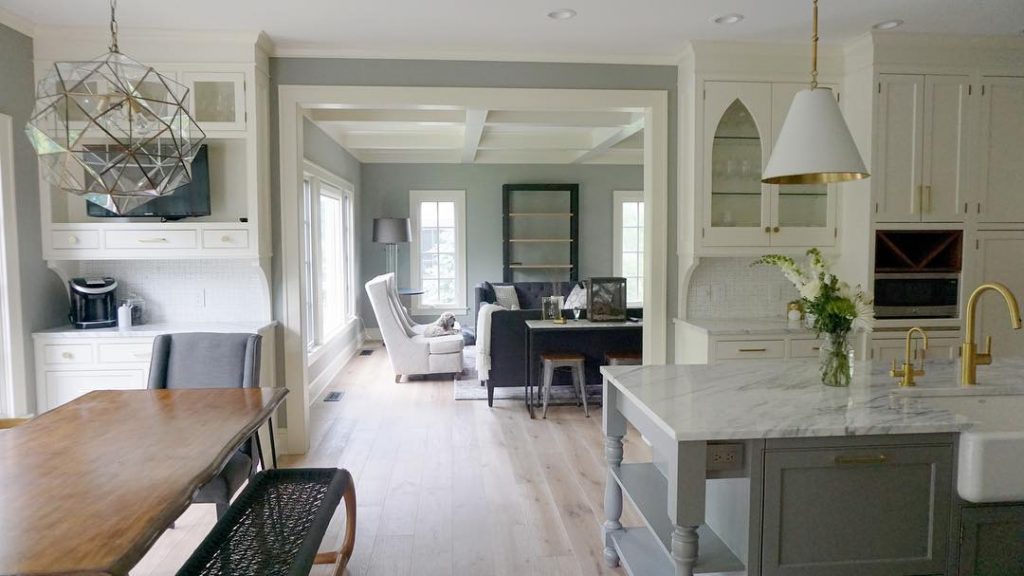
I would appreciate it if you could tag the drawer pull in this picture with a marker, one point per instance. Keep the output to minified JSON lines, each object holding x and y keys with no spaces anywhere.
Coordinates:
{"x":142,"y":354}
{"x":72,"y":240}
{"x":152,"y":240}
{"x":753,"y":349}
{"x":861,"y":460}
{"x":816,"y":348}
{"x":226,"y":239}
{"x":67,"y":356}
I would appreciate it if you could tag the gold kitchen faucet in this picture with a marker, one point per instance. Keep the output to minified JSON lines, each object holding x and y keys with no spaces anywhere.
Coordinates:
{"x":970,"y":358}
{"x":907,"y":373}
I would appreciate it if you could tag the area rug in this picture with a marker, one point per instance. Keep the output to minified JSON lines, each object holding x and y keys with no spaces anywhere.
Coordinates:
{"x":467,"y":386}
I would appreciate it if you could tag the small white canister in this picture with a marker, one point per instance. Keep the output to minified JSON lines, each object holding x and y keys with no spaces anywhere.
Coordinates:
{"x":124,"y":316}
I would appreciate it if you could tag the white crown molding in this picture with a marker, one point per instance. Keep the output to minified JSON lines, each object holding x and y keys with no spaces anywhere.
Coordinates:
{"x":306,"y":50}
{"x":12,"y":20}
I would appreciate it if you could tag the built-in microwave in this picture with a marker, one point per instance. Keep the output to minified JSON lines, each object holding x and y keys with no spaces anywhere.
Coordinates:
{"x":917,"y":295}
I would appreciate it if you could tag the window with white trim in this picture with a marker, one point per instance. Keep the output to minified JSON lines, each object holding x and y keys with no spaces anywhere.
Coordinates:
{"x":438,"y":262}
{"x":329,"y":255}
{"x":628,"y":232}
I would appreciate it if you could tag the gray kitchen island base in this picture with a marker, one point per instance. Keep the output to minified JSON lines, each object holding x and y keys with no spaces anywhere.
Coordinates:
{"x":790,"y":481}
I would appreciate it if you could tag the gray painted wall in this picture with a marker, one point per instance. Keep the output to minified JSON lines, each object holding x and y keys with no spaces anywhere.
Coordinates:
{"x":386,"y":193}
{"x":44,"y":302}
{"x":321,"y":150}
{"x":365,"y":72}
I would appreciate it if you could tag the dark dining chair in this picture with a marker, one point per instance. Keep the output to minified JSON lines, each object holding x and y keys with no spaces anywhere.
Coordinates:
{"x":211,"y":360}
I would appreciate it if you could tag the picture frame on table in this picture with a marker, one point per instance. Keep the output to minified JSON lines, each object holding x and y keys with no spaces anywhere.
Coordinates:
{"x":551,"y":308}
{"x":606,"y":300}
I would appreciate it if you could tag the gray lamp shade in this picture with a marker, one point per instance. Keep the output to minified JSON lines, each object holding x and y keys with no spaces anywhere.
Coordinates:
{"x":391,"y":230}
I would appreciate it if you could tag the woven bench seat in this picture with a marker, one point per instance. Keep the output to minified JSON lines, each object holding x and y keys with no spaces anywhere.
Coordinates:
{"x":275,"y":526}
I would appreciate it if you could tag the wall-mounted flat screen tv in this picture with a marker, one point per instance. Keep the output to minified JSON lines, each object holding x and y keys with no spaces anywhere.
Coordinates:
{"x":189,"y":200}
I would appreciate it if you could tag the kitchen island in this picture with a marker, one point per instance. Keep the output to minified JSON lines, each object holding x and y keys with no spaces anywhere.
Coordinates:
{"x":760,"y":469}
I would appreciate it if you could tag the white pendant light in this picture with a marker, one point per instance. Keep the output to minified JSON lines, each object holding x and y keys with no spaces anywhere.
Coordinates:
{"x":814,"y":145}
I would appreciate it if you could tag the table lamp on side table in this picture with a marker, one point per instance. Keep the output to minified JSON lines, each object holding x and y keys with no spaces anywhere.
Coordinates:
{"x":391,"y":232}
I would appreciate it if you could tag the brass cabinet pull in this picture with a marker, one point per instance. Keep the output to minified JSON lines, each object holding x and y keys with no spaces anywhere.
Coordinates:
{"x":753,"y":349}
{"x":859,"y":460}
{"x":767,"y":229}
{"x":776,"y":229}
{"x":926,"y":199}
{"x":152,"y":240}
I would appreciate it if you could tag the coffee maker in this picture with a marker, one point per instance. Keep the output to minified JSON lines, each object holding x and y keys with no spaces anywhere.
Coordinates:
{"x":93,"y":303}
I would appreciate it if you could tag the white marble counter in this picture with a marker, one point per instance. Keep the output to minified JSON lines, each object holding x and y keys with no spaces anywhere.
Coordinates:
{"x":748,"y":327}
{"x":581,"y":325}
{"x":149,"y":330}
{"x":785,"y":399}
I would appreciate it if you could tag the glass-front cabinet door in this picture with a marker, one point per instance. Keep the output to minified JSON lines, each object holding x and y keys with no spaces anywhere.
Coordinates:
{"x":804,"y":214}
{"x":217,"y":99}
{"x":742,"y":120}
{"x":737,"y":120}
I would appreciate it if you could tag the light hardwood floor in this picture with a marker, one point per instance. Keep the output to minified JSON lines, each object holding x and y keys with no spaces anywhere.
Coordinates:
{"x":446,"y":487}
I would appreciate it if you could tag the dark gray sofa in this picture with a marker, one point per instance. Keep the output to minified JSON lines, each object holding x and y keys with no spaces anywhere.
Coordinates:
{"x":508,"y":331}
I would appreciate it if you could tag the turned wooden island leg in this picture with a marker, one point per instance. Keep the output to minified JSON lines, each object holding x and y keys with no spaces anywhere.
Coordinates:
{"x":614,"y":426}
{"x":685,"y":545}
{"x":686,"y":499}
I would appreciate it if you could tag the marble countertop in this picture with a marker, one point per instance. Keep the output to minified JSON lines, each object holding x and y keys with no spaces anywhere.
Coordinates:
{"x":745,"y":399}
{"x":748,"y":327}
{"x":580,"y":325}
{"x":147,"y":330}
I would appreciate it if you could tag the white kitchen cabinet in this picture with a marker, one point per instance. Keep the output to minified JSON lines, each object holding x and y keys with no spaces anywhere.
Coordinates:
{"x":885,"y":349}
{"x":1001,"y":151}
{"x":922,"y":152}
{"x":217,"y":99}
{"x":67,"y":367}
{"x":997,"y":256}
{"x":741,"y":121}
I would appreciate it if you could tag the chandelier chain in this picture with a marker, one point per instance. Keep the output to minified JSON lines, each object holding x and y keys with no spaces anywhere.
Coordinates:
{"x":814,"y":49}
{"x":113,"y":26}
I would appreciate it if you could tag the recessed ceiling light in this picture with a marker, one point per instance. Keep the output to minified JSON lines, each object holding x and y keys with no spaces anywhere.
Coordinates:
{"x":888,"y":24}
{"x":726,"y":19}
{"x":562,"y":14}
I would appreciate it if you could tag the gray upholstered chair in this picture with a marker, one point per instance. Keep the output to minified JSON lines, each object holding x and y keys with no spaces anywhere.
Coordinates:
{"x":208,"y":360}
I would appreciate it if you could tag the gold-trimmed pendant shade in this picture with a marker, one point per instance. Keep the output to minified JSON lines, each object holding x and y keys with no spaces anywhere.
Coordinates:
{"x":814,"y":145}
{"x":114,"y":131}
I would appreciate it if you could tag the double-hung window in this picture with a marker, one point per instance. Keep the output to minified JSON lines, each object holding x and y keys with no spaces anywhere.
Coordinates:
{"x":329,"y":255}
{"x":438,"y":262}
{"x":628,"y":234}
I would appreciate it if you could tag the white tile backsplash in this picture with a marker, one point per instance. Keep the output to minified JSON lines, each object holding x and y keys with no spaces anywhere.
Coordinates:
{"x":732,"y":288}
{"x":189,"y":290}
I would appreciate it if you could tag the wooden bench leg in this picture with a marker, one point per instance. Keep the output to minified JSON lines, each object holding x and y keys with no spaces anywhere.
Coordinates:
{"x":341,"y":557}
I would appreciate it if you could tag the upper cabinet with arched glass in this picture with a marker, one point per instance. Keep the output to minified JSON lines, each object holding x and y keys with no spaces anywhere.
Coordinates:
{"x":741,"y":121}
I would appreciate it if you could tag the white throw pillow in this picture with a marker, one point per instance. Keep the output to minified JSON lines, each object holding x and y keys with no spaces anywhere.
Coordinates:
{"x":507,"y":297}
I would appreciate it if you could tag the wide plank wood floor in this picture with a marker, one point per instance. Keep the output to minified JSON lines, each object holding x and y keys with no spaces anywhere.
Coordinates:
{"x":446,"y":487}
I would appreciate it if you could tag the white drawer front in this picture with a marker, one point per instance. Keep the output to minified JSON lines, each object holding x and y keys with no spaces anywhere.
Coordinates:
{"x":65,"y":386}
{"x":750,"y":349}
{"x":136,"y":352}
{"x":75,"y":239}
{"x":804,"y":348}
{"x":151,"y":239}
{"x":236,"y":239}
{"x":56,"y":354}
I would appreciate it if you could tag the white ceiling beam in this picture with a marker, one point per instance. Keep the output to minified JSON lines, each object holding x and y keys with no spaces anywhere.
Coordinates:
{"x":400,"y":140}
{"x":526,"y":156}
{"x":475,"y":120}
{"x":387,"y":115}
{"x":593,"y":119}
{"x":536,"y":140}
{"x":623,"y":156}
{"x":608,"y":142}
{"x":408,"y":156}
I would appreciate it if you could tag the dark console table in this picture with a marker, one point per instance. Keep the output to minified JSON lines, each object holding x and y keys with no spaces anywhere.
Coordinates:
{"x":592,"y":339}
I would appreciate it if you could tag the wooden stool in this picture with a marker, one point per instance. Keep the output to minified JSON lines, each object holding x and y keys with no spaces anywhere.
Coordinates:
{"x":574,"y":362}
{"x":623,"y":358}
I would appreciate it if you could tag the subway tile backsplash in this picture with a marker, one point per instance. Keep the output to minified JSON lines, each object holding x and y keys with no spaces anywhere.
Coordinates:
{"x":731,"y":288}
{"x":189,"y":290}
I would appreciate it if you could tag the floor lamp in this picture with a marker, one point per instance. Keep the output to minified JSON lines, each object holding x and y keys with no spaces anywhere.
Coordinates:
{"x":391,"y":232}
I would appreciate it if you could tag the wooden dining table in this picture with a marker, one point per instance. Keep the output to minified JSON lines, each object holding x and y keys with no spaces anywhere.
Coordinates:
{"x":88,"y":487}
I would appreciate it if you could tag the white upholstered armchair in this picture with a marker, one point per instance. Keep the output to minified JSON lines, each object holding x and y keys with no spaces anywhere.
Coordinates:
{"x":408,"y":350}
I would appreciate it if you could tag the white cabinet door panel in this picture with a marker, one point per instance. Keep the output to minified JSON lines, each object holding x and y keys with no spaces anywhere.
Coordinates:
{"x":897,"y":173}
{"x":998,"y":257}
{"x":65,"y":386}
{"x":944,"y":149}
{"x":1001,"y":153}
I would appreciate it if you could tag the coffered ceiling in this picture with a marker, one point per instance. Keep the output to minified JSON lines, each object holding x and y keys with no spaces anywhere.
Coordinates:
{"x":601,"y":31}
{"x":459,"y":135}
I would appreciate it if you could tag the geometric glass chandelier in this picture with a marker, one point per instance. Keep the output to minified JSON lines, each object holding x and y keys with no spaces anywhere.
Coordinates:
{"x":113,"y":130}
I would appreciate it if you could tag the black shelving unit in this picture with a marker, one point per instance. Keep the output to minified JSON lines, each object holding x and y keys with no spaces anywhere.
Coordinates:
{"x":553,"y":210}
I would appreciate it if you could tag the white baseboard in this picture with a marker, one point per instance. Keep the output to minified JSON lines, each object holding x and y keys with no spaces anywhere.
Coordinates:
{"x":317,"y":386}
{"x":281,"y":441}
{"x":372,"y":334}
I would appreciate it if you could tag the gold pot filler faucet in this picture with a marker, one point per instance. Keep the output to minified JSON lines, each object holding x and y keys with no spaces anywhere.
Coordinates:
{"x":907,"y":373}
{"x":970,"y":358}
